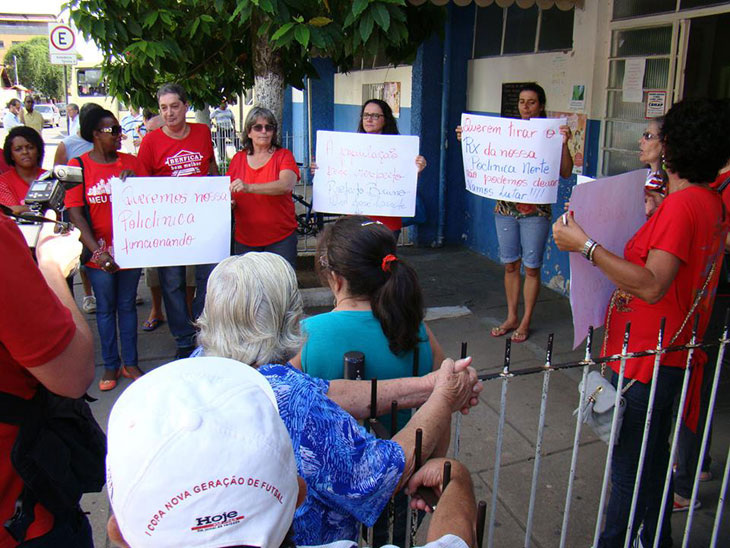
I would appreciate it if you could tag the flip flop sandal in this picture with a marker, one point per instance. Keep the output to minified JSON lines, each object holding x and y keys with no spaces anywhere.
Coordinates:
{"x":678,"y":507}
{"x":151,"y":325}
{"x":519,"y":336}
{"x":500,"y":331}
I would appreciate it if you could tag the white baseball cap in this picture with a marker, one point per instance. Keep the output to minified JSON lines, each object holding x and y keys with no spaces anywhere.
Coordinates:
{"x":198,"y":456}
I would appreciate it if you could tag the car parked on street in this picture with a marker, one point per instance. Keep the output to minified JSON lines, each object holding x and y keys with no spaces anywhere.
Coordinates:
{"x":51,"y":116}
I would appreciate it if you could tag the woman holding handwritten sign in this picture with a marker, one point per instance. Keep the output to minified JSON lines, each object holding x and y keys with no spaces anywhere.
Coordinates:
{"x":90,"y":209}
{"x":376,"y":118}
{"x":263,"y":176}
{"x":522,"y":230}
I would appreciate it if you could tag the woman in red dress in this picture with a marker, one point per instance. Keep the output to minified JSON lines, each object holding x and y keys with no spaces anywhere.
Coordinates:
{"x":23,"y":152}
{"x":669,"y":270}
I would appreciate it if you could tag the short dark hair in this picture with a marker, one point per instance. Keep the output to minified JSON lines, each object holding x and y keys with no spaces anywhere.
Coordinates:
{"x":541,"y":97}
{"x":696,"y":139}
{"x":30,"y":135}
{"x":390,"y":127}
{"x":73,"y":106}
{"x":148,"y":113}
{"x":13,"y":102}
{"x":254,"y":114}
{"x":354,"y":247}
{"x":176,"y":89}
{"x":90,"y":123}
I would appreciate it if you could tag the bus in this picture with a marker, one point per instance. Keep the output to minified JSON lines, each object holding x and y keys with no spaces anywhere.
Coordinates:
{"x":86,"y":85}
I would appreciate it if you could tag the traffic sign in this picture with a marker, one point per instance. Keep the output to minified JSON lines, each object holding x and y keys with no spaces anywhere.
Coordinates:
{"x":62,"y":44}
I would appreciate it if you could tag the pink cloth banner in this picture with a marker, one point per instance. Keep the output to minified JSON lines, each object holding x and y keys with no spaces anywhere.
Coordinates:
{"x":610,"y":210}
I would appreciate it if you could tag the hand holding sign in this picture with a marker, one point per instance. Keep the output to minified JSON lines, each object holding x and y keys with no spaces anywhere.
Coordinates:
{"x":512,"y":160}
{"x":359,"y":173}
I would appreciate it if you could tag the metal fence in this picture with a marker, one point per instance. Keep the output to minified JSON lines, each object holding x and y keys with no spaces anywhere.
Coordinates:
{"x":507,"y":376}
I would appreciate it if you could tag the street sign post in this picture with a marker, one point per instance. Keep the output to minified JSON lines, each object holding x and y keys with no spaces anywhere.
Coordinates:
{"x":62,"y":49}
{"x":61,"y":44}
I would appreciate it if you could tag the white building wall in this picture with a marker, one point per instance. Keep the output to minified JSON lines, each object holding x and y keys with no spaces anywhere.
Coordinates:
{"x":557,"y":72}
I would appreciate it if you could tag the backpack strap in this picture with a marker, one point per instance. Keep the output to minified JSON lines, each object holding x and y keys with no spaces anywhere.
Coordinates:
{"x":723,"y":185}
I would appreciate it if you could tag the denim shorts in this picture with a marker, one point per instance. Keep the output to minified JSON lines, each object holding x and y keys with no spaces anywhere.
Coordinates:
{"x":522,"y":239}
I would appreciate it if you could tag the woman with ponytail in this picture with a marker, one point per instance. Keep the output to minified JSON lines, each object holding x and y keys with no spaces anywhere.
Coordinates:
{"x":378,"y":307}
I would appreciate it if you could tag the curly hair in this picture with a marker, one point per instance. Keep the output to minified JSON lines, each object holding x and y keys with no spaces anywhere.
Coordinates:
{"x":696,"y":139}
{"x":390,"y":127}
{"x":30,"y":135}
{"x":90,"y":122}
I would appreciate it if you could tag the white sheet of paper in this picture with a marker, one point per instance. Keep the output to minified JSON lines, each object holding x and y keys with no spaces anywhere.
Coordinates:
{"x":610,"y":210}
{"x":167,"y":221}
{"x":513,"y":160}
{"x":364,"y":174}
{"x":633,"y":85}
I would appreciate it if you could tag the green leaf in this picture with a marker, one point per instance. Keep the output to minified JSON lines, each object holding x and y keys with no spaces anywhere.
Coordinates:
{"x":358,"y":6}
{"x":301,"y":33}
{"x":381,"y":16}
{"x":166,"y":18}
{"x":282,"y":31}
{"x":150,"y":19}
{"x":320,"y":21}
{"x":195,"y":26}
{"x":207,"y":18}
{"x":366,"y":27}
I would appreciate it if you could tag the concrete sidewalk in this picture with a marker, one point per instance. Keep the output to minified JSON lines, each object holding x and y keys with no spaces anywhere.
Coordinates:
{"x":465,"y":290}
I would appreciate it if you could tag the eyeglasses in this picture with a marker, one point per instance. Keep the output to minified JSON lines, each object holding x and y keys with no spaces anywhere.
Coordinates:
{"x":649,"y":136}
{"x":114,"y":130}
{"x":372,"y":116}
{"x":263,"y":127}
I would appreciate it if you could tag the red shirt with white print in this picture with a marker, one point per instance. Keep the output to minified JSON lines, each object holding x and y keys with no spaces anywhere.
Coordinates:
{"x":99,"y":194}
{"x":162,"y":156}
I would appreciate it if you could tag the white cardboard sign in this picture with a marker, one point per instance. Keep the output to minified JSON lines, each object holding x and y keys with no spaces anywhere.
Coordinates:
{"x":512,"y":160}
{"x":168,"y":221}
{"x":365,"y":174}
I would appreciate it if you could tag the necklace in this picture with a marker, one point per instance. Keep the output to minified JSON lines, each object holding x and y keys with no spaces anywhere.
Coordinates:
{"x":357,"y":304}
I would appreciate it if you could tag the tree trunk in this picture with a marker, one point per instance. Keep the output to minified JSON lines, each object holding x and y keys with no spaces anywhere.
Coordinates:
{"x":268,"y":77}
{"x":203,"y":116}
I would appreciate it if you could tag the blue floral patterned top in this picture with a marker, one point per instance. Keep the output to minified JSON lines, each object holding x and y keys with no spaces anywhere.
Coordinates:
{"x":350,"y":474}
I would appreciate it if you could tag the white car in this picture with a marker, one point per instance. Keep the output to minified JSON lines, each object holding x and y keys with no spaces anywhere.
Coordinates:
{"x":50,"y":114}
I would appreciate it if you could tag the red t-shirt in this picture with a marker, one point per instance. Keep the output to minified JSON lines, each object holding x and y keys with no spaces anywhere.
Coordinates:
{"x":690,"y":225}
{"x":3,"y":164}
{"x":261,"y":219}
{"x":162,"y":156}
{"x":721,"y":177}
{"x":98,"y":193}
{"x":24,"y":344}
{"x":13,"y":188}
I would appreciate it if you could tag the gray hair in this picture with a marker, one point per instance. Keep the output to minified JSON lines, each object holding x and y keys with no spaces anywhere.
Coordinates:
{"x":252,"y":310}
{"x":175,"y":89}
{"x":254,"y":114}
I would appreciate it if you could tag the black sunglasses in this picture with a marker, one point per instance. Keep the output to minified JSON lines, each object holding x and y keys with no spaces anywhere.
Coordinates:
{"x":263,"y":127}
{"x":114,"y":130}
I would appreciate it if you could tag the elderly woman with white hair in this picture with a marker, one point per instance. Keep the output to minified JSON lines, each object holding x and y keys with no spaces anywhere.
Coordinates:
{"x":252,"y":313}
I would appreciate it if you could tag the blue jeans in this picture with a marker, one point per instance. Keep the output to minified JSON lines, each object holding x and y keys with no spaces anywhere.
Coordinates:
{"x":115,"y":301}
{"x":522,"y":238}
{"x":287,"y":248}
{"x":626,"y":459}
{"x":172,"y":283}
{"x":202,"y":273}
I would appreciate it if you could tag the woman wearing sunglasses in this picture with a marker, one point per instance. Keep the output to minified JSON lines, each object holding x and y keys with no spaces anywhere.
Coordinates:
{"x":263,"y":176}
{"x":90,"y":209}
{"x":650,"y":153}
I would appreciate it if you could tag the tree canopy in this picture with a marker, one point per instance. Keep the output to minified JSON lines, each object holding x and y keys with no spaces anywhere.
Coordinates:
{"x":35,"y":70}
{"x":217,"y":48}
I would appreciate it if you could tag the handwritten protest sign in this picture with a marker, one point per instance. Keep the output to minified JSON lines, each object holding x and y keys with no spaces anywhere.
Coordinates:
{"x":366,"y":174}
{"x":513,"y":160}
{"x":167,"y":221}
{"x":610,"y":210}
